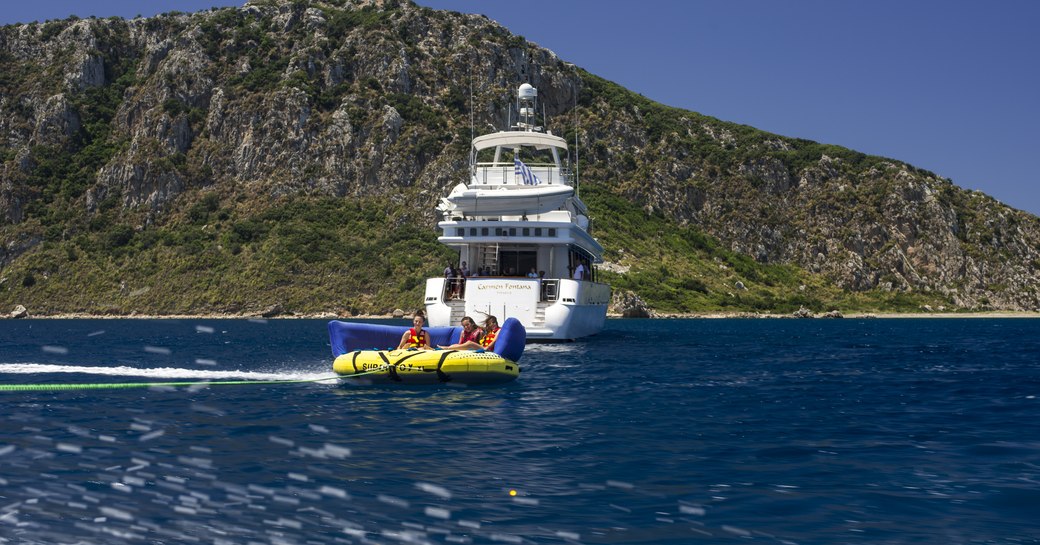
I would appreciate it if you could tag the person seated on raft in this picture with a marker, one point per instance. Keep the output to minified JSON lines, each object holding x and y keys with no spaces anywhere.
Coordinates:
{"x":487,"y":340}
{"x":416,"y":336}
{"x":470,"y":335}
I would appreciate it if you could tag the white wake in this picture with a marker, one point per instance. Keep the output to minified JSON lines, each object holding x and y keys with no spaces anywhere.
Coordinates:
{"x":159,"y":372}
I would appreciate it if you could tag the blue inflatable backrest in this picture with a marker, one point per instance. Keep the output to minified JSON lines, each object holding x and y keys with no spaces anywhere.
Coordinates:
{"x":512,"y":337}
{"x":350,"y":336}
{"x":443,"y":336}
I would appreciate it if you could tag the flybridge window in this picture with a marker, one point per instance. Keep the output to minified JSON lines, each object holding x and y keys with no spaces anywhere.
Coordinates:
{"x":529,"y":156}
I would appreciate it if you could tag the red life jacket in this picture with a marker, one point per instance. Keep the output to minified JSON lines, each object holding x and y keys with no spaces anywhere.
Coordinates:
{"x":489,"y":337}
{"x":472,"y":336}
{"x":416,"y":340}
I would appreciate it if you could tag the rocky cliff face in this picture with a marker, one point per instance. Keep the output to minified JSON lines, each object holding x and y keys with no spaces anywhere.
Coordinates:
{"x":867,"y":223}
{"x":132,"y":119}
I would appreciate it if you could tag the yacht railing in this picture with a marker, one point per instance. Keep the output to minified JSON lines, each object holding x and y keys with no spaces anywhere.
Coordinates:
{"x":505,"y":174}
{"x":550,"y":289}
{"x":454,"y":288}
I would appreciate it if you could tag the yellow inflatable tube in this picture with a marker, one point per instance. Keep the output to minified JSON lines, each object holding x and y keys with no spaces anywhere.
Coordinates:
{"x":426,"y":366}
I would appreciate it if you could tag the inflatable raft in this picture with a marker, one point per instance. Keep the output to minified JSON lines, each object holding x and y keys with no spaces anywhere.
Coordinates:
{"x":356,"y":349}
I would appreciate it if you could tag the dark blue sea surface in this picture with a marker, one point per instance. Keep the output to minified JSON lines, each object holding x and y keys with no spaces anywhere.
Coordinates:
{"x":655,"y":432}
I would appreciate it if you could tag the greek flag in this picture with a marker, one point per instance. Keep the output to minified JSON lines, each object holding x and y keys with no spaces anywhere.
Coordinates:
{"x":523,"y":171}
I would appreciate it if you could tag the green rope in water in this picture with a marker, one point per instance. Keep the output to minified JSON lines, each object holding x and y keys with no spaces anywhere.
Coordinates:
{"x":121,"y":385}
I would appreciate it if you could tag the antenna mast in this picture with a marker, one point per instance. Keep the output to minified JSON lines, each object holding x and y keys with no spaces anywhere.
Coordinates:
{"x":526,"y":104}
{"x":576,"y":128}
{"x":472,"y":133}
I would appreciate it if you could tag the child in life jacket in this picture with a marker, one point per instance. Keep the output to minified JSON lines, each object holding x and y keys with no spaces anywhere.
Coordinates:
{"x":486,"y":341}
{"x":469,"y":339}
{"x":416,"y":337}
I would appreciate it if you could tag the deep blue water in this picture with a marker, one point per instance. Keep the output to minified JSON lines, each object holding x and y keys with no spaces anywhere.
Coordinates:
{"x":656,"y":431}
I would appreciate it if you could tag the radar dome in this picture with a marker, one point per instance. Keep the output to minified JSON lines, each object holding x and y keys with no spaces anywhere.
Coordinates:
{"x":527,"y":91}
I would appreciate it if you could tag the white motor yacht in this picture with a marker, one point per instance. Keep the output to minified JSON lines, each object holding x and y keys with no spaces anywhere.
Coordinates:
{"x":523,"y":234}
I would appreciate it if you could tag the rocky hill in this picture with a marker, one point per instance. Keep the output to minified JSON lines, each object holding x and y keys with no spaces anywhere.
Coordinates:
{"x":291,"y":153}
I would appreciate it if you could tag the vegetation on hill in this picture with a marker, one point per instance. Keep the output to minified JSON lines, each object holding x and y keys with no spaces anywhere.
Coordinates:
{"x":679,"y":269}
{"x":309,"y":255}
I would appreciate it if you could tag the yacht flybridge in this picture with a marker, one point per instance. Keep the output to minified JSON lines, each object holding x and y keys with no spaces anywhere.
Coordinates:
{"x":523,"y":237}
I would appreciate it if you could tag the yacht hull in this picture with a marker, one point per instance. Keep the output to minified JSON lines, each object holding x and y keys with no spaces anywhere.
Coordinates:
{"x":573,"y":310}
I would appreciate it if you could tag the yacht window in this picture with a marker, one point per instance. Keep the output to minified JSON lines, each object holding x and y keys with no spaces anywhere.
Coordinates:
{"x":512,"y":231}
{"x":499,"y":231}
{"x":472,"y":231}
{"x":527,"y":232}
{"x":537,"y":231}
{"x":484,"y":231}
{"x":552,"y":232}
{"x":461,"y":232}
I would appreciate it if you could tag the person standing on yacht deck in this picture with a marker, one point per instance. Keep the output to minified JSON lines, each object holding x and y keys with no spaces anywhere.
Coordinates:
{"x":416,"y":337}
{"x":463,"y":272}
{"x":452,"y":276}
{"x":579,"y":272}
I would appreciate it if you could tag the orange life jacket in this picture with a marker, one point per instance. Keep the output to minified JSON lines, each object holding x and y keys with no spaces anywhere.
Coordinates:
{"x":489,"y":337}
{"x":416,"y":340}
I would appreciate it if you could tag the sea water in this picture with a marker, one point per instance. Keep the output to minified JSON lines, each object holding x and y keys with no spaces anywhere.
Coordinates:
{"x":655,"y":431}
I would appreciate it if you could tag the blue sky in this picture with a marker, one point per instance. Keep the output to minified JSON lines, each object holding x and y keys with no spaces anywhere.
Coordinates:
{"x":951,"y":86}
